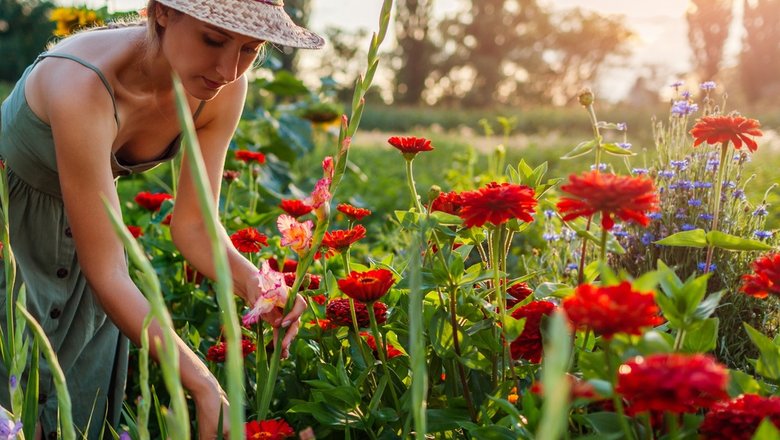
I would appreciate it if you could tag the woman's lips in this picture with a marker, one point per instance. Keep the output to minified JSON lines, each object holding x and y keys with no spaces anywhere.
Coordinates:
{"x":211,"y":84}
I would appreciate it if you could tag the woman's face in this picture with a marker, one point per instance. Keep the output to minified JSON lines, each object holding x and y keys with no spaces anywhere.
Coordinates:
{"x":206,"y":57}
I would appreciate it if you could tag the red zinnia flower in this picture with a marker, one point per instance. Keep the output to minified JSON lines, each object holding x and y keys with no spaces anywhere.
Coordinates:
{"x":247,"y":156}
{"x":353,"y":212}
{"x":319,"y":299}
{"x":518,"y":292}
{"x":449,"y":202}
{"x":739,"y":418}
{"x":367,"y":286}
{"x":231,"y":175}
{"x":392,"y":351}
{"x":765,"y":279}
{"x":167,"y":220}
{"x":288,"y":266}
{"x":342,"y":239}
{"x":217,"y":352}
{"x":295,"y":207}
{"x":324,"y":324}
{"x":627,"y":197}
{"x":314,"y":280}
{"x":249,"y":240}
{"x":151,"y":202}
{"x":612,"y":309}
{"x":529,"y":344}
{"x":275,"y":429}
{"x":719,"y":129}
{"x":497,"y":203}
{"x":410,"y":146}
{"x":135,"y":231}
{"x":337,"y":311}
{"x":676,"y":383}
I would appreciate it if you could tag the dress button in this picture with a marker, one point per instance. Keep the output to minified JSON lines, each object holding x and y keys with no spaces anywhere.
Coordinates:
{"x":62,"y":272}
{"x":55,"y":313}
{"x":68,"y":232}
{"x":42,"y":398}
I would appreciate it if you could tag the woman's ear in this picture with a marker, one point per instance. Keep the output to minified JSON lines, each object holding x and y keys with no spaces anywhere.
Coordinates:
{"x":161,"y":15}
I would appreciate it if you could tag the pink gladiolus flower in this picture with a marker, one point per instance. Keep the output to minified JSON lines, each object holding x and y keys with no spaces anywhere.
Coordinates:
{"x":295,"y":234}
{"x":273,"y":293}
{"x":328,"y":167}
{"x":321,"y":193}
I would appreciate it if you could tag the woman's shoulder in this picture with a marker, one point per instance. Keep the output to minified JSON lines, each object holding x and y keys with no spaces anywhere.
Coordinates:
{"x":105,"y":48}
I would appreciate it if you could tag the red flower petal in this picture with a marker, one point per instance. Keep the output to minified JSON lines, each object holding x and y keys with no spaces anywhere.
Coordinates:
{"x":367,"y":286}
{"x":629,"y":198}
{"x":496,"y":204}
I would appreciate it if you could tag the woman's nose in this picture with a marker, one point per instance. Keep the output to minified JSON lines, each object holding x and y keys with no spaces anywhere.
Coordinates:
{"x":227,"y":67}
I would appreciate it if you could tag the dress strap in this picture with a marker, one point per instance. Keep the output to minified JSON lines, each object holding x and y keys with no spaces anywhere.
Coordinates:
{"x":92,"y":67}
{"x":197,"y":111}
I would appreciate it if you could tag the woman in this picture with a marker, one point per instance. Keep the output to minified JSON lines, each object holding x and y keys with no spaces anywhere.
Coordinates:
{"x":99,"y":105}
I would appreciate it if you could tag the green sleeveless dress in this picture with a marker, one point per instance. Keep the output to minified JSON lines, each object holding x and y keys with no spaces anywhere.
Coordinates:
{"x":90,"y":349}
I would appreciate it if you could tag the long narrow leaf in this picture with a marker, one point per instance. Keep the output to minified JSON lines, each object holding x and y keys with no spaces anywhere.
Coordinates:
{"x":224,"y":284}
{"x":63,"y":397}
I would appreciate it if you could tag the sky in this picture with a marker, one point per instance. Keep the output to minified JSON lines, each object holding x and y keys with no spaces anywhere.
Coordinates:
{"x":660,"y":26}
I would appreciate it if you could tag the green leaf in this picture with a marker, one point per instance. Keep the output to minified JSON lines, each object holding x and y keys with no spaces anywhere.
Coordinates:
{"x":616,"y":150}
{"x":493,"y":432}
{"x":734,"y":243}
{"x":707,"y":307}
{"x":606,"y":424}
{"x":695,"y":238}
{"x":514,"y":327}
{"x":581,"y":149}
{"x":768,"y":364}
{"x":654,"y":341}
{"x":440,"y":332}
{"x":328,"y":415}
{"x":669,"y":310}
{"x":766,"y":431}
{"x":555,"y":364}
{"x":702,"y":337}
{"x":742,"y":383}
{"x":547,"y":289}
{"x":446,"y":419}
{"x":444,"y":218}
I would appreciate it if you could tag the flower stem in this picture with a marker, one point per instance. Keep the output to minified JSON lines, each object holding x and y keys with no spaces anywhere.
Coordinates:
{"x":498,"y":248}
{"x":616,"y":400}
{"x":718,"y":190}
{"x":594,"y":122}
{"x":580,"y":272}
{"x":603,"y":244}
{"x":412,"y":187}
{"x":381,"y":348}
{"x":672,"y":425}
{"x":456,"y":345}
{"x":261,"y":365}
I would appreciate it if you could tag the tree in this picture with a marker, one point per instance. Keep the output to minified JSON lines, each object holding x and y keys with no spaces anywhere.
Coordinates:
{"x":414,"y":55}
{"x":580,"y":47}
{"x":708,"y":29}
{"x":492,"y":47}
{"x":760,"y":57}
{"x":515,"y":52}
{"x":24,"y":32}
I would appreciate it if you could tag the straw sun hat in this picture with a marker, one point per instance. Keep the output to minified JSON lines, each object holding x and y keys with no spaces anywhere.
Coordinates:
{"x":262,"y":19}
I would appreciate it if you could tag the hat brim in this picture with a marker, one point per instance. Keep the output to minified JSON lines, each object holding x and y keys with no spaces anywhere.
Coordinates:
{"x":251,"y":18}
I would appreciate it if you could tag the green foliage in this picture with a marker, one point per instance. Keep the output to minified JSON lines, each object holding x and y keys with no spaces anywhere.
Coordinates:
{"x":24,"y":31}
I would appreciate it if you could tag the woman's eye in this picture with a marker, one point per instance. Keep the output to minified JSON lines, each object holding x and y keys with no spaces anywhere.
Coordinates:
{"x":212,"y":43}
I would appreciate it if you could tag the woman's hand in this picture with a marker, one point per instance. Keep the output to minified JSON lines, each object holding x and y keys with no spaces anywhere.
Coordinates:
{"x":291,"y":322}
{"x":208,"y":404}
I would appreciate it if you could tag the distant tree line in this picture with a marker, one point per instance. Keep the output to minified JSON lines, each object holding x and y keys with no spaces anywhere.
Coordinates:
{"x":509,"y":52}
{"x":709,"y":26}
